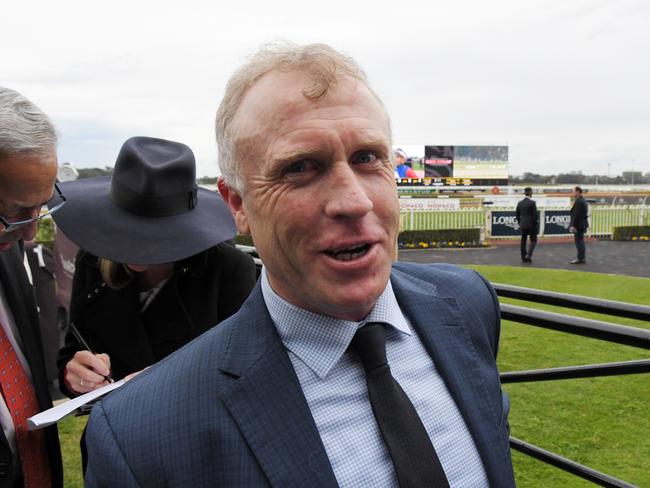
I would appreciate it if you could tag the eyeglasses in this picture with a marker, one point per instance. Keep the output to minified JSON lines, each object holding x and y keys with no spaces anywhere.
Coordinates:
{"x":58,"y":201}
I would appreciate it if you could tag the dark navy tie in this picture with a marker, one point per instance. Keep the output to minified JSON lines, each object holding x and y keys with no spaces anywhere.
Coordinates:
{"x":414,"y":457}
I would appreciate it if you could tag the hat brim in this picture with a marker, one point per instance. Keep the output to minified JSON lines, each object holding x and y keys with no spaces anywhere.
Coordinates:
{"x":92,"y":221}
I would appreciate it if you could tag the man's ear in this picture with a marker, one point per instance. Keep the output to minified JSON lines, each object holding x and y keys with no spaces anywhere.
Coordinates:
{"x":234,"y":201}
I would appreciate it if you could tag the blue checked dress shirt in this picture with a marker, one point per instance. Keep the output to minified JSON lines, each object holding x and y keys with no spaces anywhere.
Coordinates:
{"x":334,"y":385}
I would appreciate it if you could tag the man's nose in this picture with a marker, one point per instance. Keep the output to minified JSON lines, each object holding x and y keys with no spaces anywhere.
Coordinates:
{"x":348,"y":193}
{"x":28,"y":232}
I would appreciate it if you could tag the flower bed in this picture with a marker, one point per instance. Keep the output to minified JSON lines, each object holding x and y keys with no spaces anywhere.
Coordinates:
{"x":440,"y":238}
{"x":632,"y":233}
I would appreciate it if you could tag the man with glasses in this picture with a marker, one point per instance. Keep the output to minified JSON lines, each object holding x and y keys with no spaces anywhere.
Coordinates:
{"x":28,"y":166}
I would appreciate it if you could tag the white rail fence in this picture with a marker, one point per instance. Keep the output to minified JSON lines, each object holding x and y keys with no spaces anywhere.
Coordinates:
{"x":602,"y":219}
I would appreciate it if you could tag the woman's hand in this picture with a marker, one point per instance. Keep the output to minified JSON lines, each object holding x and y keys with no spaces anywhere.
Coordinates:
{"x":86,"y":371}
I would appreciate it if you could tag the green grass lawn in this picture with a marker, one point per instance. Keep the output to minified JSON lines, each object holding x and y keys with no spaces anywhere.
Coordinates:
{"x":601,"y":422}
{"x":70,"y":430}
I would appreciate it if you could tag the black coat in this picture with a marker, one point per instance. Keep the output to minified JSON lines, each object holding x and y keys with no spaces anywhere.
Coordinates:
{"x":579,"y":214}
{"x":20,"y":299}
{"x":45,"y":293}
{"x":526,"y":215}
{"x":203,"y":290}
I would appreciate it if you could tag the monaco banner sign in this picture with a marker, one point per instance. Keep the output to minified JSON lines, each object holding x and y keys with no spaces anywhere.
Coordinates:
{"x":429,"y":204}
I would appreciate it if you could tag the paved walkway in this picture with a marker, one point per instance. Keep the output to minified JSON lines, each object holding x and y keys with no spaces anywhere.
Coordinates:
{"x":625,"y":258}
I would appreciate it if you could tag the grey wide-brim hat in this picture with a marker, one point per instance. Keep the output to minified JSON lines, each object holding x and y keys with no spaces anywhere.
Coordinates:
{"x":150,"y":210}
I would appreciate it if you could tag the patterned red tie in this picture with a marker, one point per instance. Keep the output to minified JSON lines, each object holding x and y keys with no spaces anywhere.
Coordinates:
{"x":21,"y":401}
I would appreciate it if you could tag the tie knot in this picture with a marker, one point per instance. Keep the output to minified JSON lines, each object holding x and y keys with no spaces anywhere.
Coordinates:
{"x":370,"y":345}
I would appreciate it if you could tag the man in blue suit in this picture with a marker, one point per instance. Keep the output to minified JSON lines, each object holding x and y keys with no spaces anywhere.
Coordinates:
{"x":342,"y":368}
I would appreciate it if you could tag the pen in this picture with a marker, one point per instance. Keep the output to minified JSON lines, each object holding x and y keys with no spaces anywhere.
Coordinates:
{"x":85,"y":345}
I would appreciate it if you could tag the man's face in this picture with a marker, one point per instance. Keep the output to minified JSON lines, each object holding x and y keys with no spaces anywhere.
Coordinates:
{"x":576,"y":193}
{"x":26,"y":184}
{"x":320,"y":199}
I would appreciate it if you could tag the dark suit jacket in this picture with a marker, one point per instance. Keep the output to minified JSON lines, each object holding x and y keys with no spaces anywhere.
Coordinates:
{"x":526,"y":215}
{"x":45,"y":293}
{"x":20,"y":298}
{"x":204,"y":290}
{"x":579,"y":214}
{"x":228,"y":410}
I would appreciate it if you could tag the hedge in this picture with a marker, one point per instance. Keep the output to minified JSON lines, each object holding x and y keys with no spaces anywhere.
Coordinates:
{"x":631,"y":233}
{"x":45,"y":232}
{"x":244,"y":240}
{"x":411,"y":239}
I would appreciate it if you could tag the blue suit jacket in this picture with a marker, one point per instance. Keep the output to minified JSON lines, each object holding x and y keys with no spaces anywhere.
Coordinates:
{"x":228,"y":410}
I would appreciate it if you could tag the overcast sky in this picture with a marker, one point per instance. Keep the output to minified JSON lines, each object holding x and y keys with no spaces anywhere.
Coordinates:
{"x":565,"y":84}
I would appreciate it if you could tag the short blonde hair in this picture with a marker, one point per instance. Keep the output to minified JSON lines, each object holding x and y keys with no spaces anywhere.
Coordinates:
{"x":324,"y":66}
{"x":116,"y":275}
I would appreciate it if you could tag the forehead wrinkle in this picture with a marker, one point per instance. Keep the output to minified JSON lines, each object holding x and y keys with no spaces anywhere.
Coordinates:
{"x":301,"y":146}
{"x":20,"y":206}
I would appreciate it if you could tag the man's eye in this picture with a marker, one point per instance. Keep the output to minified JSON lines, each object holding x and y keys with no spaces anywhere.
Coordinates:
{"x":17,"y":216}
{"x":300,"y":166}
{"x":365,"y":157}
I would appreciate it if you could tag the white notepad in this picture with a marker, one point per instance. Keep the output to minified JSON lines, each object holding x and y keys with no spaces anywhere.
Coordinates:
{"x":54,"y":414}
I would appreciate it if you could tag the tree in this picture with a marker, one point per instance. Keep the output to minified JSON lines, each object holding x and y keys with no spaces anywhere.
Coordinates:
{"x":94,"y":172}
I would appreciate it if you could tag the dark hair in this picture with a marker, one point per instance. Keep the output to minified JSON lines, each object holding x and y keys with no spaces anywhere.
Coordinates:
{"x":528,"y":191}
{"x":578,"y":189}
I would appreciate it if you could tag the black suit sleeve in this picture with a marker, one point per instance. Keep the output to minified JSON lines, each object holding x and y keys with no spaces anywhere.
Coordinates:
{"x":84,"y":274}
{"x":240,"y":269}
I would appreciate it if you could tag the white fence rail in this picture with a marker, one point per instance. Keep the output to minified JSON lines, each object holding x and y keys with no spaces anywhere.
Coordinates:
{"x":602,"y":219}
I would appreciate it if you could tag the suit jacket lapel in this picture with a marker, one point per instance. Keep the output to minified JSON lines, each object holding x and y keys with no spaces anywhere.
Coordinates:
{"x":269,"y":406}
{"x":440,"y":327}
{"x":20,"y":298}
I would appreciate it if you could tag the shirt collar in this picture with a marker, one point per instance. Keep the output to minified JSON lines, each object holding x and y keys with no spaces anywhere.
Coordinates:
{"x":319,"y":340}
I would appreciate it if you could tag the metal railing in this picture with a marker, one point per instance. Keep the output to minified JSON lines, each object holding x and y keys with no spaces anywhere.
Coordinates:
{"x":630,"y":336}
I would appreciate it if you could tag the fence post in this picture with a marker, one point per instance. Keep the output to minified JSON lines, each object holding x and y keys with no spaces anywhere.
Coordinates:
{"x":488,"y":222}
{"x":641,"y":215}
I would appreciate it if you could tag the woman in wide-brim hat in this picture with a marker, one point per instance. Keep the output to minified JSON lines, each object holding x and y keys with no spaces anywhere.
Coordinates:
{"x":156,"y":268}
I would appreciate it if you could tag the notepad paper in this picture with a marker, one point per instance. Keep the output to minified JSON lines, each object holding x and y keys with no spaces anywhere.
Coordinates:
{"x":54,"y":414}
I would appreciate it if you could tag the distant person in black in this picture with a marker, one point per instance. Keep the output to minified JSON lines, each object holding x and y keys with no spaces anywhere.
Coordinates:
{"x":528,"y":221}
{"x":579,"y":224}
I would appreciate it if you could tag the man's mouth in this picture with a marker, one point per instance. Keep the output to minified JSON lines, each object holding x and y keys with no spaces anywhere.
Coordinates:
{"x":348,"y":254}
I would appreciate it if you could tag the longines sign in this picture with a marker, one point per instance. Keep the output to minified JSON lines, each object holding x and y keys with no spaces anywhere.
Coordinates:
{"x":552,"y":222}
{"x":504,"y":224}
{"x":556,"y":222}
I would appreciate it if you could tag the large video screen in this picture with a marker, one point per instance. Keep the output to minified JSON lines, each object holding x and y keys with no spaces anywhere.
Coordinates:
{"x":427,"y":165}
